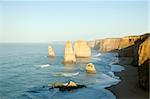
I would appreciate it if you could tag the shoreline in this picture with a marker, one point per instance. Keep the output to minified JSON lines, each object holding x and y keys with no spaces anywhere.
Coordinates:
{"x":128,"y":88}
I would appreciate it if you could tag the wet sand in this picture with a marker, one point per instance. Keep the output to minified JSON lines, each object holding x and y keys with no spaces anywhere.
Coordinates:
{"x":128,"y":88}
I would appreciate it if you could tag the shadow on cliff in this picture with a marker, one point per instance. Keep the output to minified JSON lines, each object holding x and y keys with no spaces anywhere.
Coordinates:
{"x":143,"y":72}
{"x":132,"y":53}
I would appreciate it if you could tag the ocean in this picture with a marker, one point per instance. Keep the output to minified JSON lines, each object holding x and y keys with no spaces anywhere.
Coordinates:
{"x":25,"y":69}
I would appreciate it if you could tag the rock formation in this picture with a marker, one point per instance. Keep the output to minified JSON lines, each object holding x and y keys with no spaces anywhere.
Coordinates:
{"x":136,"y":48}
{"x":66,"y":86}
{"x":69,"y":55}
{"x":144,"y":63}
{"x":72,"y":84}
{"x":109,"y":44}
{"x":51,"y":52}
{"x":82,"y":50}
{"x":90,"y":68}
{"x":97,"y":44}
{"x":128,"y":41}
{"x":91,"y":44}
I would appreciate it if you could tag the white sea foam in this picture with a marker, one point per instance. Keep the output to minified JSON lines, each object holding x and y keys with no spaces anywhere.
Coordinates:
{"x":46,"y":65}
{"x":116,"y":68}
{"x":99,"y":54}
{"x":97,"y":59}
{"x":105,"y":81}
{"x":69,"y":74}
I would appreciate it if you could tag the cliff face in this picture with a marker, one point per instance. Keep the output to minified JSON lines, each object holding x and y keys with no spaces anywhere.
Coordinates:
{"x":144,"y":51}
{"x":91,"y":44}
{"x":144,"y":63}
{"x":137,"y":48}
{"x":51,"y":52}
{"x":128,"y":41}
{"x":82,"y":50}
{"x":69,"y":55}
{"x":109,"y":44}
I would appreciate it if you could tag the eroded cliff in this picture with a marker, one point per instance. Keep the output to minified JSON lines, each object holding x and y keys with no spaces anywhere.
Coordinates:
{"x":144,"y":63}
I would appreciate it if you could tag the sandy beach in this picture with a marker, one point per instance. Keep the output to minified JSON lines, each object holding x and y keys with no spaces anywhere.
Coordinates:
{"x":128,"y":88}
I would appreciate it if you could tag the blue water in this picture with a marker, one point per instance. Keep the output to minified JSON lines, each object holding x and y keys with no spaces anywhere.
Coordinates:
{"x":25,"y":68}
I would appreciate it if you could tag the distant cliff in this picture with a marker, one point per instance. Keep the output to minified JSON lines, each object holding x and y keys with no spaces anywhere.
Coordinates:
{"x":135,"y":47}
{"x":109,"y":44}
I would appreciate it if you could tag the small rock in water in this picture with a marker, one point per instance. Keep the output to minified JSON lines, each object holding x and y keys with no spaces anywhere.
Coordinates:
{"x":90,"y":68}
{"x":66,"y":86}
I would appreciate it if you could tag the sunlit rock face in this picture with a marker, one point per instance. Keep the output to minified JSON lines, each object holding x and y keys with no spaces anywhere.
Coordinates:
{"x":51,"y":52}
{"x":90,"y":68}
{"x":144,"y":51}
{"x":128,"y":41}
{"x":82,"y":50}
{"x":144,"y":63}
{"x":72,"y":84}
{"x":69,"y":55}
{"x":109,"y":44}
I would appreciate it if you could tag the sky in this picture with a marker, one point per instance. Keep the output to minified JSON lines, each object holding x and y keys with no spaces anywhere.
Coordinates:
{"x":48,"y":20}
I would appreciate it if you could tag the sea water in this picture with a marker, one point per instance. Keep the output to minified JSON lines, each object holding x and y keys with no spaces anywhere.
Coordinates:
{"x":25,"y":68}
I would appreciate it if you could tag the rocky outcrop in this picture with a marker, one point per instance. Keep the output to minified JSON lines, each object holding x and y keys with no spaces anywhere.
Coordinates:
{"x":66,"y":86}
{"x":144,"y":51}
{"x":134,"y":47}
{"x":128,"y":41}
{"x":69,"y":55}
{"x":109,"y":44}
{"x":82,"y":50}
{"x":91,"y":44}
{"x":144,"y":63}
{"x":90,"y":68}
{"x":97,"y":44}
{"x":131,"y":48}
{"x":51,"y":52}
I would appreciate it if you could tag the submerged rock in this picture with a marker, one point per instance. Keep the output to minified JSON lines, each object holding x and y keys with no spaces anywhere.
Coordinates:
{"x":66,"y":86}
{"x":82,"y":50}
{"x":90,"y":68}
{"x":69,"y":55}
{"x":51,"y":52}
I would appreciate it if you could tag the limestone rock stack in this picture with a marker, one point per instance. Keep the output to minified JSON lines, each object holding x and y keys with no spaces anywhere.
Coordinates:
{"x":90,"y":68}
{"x":69,"y":55}
{"x":51,"y":52}
{"x":82,"y":50}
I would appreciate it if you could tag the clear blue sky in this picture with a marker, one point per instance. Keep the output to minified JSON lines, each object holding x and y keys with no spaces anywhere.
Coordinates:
{"x":44,"y":21}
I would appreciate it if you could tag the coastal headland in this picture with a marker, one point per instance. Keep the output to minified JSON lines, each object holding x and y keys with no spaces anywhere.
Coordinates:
{"x":134,"y":55}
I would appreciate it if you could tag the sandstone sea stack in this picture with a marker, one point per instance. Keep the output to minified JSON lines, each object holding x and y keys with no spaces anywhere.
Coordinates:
{"x":69,"y":55}
{"x":82,"y":50}
{"x":51,"y":52}
{"x":90,"y":68}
